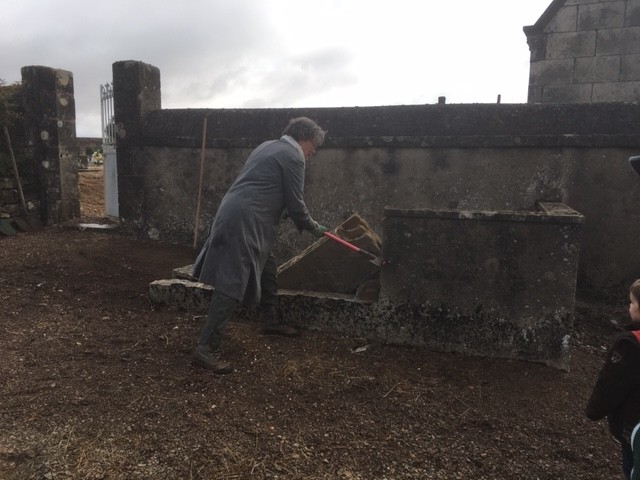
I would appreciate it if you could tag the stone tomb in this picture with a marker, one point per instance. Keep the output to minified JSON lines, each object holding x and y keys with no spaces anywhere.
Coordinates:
{"x":488,"y":283}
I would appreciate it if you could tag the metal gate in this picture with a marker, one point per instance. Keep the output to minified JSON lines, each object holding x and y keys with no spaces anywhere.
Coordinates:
{"x":109,"y":151}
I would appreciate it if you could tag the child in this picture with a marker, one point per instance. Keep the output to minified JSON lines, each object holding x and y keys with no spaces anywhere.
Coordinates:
{"x":616,"y":394}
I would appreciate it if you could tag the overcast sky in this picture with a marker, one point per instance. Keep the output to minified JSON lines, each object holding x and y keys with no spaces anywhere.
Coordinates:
{"x":278,"y":53}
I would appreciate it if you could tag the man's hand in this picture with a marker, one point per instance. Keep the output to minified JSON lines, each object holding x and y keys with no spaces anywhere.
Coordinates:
{"x":319,"y":230}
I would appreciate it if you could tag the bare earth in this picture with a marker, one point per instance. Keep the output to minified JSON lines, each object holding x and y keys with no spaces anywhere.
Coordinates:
{"x":96,"y":383}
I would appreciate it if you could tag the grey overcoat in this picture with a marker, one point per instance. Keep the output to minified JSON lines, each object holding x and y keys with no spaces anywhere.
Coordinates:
{"x":244,"y":228}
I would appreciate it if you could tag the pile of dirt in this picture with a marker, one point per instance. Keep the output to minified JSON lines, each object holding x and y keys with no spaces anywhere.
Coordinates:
{"x":96,"y":383}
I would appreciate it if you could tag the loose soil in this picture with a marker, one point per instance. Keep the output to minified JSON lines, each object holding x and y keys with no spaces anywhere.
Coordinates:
{"x":91,"y":190}
{"x":96,"y":383}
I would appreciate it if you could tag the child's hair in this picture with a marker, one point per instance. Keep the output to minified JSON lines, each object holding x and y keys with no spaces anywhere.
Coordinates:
{"x":635,"y":289}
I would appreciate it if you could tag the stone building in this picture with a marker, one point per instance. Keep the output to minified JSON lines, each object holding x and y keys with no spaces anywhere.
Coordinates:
{"x":585,"y":51}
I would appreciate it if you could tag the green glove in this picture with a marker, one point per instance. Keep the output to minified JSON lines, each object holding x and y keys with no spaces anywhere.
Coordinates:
{"x":319,"y":230}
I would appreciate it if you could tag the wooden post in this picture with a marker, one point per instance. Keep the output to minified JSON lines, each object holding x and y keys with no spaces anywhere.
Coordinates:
{"x":199,"y":198}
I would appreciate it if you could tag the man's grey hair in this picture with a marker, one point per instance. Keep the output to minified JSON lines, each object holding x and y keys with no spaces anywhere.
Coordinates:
{"x":303,"y":128}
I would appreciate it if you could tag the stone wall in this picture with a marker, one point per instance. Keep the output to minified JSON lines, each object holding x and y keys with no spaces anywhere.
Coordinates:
{"x":586,"y":51}
{"x":466,"y":157}
{"x":9,"y":198}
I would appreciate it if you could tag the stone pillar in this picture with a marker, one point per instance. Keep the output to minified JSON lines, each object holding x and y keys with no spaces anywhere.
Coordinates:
{"x":136,"y":92}
{"x":50,"y":126}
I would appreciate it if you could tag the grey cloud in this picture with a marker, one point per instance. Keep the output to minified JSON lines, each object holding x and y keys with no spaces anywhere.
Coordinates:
{"x":287,"y":80}
{"x":185,"y":39}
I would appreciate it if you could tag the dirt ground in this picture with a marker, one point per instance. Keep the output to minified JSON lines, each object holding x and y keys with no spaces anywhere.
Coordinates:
{"x":91,"y":189}
{"x":96,"y":383}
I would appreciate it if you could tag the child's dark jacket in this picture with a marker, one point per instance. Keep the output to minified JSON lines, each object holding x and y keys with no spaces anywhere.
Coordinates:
{"x":616,"y":394}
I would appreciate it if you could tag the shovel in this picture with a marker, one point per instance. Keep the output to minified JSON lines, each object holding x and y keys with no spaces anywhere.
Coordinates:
{"x":377,"y":261}
{"x":29,"y":222}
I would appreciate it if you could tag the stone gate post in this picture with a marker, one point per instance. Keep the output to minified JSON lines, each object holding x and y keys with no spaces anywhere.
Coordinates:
{"x":136,"y":91}
{"x":50,"y":126}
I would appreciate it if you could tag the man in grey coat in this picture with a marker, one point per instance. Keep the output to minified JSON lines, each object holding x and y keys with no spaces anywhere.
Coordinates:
{"x":236,"y":258}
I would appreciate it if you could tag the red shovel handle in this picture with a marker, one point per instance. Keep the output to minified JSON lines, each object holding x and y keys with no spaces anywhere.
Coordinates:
{"x":341,"y":241}
{"x":377,"y":261}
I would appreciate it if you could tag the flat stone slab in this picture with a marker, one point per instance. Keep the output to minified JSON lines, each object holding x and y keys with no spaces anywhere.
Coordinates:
{"x":184,"y":273}
{"x":181,"y":293}
{"x":327,"y":266}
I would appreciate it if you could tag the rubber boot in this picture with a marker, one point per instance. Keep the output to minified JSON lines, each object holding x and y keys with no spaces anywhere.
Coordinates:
{"x":273,"y":325}
{"x":207,"y":357}
{"x":269,"y":314}
{"x":207,"y":353}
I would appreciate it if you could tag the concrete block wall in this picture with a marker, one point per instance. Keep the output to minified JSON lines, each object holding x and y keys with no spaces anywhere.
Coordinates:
{"x":585,"y":51}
